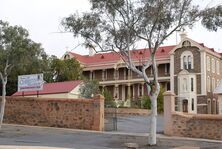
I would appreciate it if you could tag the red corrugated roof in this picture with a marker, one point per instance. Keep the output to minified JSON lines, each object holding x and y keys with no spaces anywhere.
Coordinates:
{"x":162,"y":52}
{"x":53,"y":88}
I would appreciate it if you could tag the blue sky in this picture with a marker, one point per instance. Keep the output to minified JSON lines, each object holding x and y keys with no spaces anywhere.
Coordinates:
{"x":42,"y":19}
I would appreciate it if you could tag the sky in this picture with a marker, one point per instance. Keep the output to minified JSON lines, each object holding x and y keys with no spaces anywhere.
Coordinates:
{"x":42,"y":19}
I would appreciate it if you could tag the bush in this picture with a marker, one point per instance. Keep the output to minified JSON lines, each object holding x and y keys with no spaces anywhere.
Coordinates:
{"x":146,"y":102}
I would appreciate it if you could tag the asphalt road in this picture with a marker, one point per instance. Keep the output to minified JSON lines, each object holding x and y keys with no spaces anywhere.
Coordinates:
{"x":24,"y":137}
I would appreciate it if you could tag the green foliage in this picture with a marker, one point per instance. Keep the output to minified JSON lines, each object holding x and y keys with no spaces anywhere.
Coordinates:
{"x":109,"y":102}
{"x":65,"y":70}
{"x":23,"y":55}
{"x":107,"y":95}
{"x":146,"y":102}
{"x":89,"y":88}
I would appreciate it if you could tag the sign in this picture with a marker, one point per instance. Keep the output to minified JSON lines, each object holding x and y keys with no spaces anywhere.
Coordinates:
{"x":33,"y":82}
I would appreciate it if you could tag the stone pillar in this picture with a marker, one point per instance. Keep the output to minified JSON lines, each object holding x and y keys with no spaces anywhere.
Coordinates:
{"x":169,"y":106}
{"x":98,"y":113}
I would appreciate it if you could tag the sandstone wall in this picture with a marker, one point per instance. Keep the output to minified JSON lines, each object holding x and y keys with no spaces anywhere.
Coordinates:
{"x":68,"y":113}
{"x":197,"y":126}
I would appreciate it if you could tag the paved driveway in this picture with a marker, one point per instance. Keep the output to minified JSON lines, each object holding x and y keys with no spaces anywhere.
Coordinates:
{"x":138,"y":124}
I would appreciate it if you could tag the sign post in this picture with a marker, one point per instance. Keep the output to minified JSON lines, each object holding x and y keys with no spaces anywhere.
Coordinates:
{"x":33,"y":82}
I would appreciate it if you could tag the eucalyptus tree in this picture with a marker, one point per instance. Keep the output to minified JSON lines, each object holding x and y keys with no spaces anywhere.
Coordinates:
{"x":17,"y":52}
{"x":65,"y":70}
{"x":119,"y":25}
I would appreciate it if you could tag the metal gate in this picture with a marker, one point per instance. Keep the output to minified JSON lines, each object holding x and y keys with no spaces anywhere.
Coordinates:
{"x":110,"y":118}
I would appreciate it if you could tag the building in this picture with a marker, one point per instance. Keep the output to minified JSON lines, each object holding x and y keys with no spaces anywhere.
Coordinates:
{"x":190,"y":69}
{"x":68,"y":89}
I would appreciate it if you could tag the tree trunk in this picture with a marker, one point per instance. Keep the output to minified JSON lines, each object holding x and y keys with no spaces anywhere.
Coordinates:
{"x":153,"y":121}
{"x":2,"y":103}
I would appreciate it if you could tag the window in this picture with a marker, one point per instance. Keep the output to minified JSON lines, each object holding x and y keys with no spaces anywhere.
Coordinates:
{"x":213,"y":65}
{"x":218,"y":67}
{"x":208,"y":84}
{"x":191,"y":84}
{"x":208,"y":63}
{"x":186,"y":60}
{"x":192,"y":106}
{"x":66,"y":57}
{"x":209,"y":106}
{"x":186,"y":44}
{"x":189,"y":62}
{"x":213,"y":84}
{"x":218,"y":82}
{"x":167,"y":69}
{"x":214,"y":106}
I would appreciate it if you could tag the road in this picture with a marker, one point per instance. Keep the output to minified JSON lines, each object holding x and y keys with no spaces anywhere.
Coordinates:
{"x":26,"y":137}
{"x":138,"y":124}
{"x":133,"y":124}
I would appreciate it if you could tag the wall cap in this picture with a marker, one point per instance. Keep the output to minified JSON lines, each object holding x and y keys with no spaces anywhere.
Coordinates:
{"x":169,"y":93}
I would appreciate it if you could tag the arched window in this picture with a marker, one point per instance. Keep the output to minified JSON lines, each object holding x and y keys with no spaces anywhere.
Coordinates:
{"x":186,"y":60}
{"x":209,"y":106}
{"x":213,"y":65}
{"x":218,"y":67}
{"x":189,"y":62}
{"x":214,"y":106}
{"x":208,"y":63}
{"x":208,"y":84}
{"x":186,"y":43}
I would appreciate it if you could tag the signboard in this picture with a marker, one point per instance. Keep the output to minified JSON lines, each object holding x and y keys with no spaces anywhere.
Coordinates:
{"x":33,"y":82}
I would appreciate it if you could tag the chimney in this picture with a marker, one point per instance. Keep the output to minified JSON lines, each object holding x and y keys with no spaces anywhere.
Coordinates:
{"x":183,"y":35}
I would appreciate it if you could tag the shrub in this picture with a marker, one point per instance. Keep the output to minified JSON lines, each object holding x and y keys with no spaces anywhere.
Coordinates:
{"x":146,"y":102}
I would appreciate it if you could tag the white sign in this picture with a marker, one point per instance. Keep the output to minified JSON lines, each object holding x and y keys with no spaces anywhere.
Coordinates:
{"x":33,"y":82}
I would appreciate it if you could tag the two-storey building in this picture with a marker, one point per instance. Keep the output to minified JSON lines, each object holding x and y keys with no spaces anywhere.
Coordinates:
{"x":190,"y":69}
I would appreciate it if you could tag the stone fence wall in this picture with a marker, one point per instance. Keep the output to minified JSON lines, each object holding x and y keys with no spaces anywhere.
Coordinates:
{"x":197,"y":126}
{"x":68,"y":113}
{"x":190,"y":125}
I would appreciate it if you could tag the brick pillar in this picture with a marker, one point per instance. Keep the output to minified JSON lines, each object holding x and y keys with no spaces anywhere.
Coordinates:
{"x":169,"y":106}
{"x":98,"y":113}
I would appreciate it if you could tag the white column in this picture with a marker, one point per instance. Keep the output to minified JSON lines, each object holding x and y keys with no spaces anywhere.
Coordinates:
{"x":133,"y":91}
{"x":172,"y":72}
{"x":91,"y":75}
{"x":203,"y":72}
{"x":103,"y":75}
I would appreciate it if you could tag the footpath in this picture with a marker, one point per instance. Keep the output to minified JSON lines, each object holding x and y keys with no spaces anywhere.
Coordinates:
{"x":34,"y":137}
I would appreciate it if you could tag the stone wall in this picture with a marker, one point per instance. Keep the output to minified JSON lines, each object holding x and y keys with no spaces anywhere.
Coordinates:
{"x":197,"y":126}
{"x":190,"y":125}
{"x":68,"y":113}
